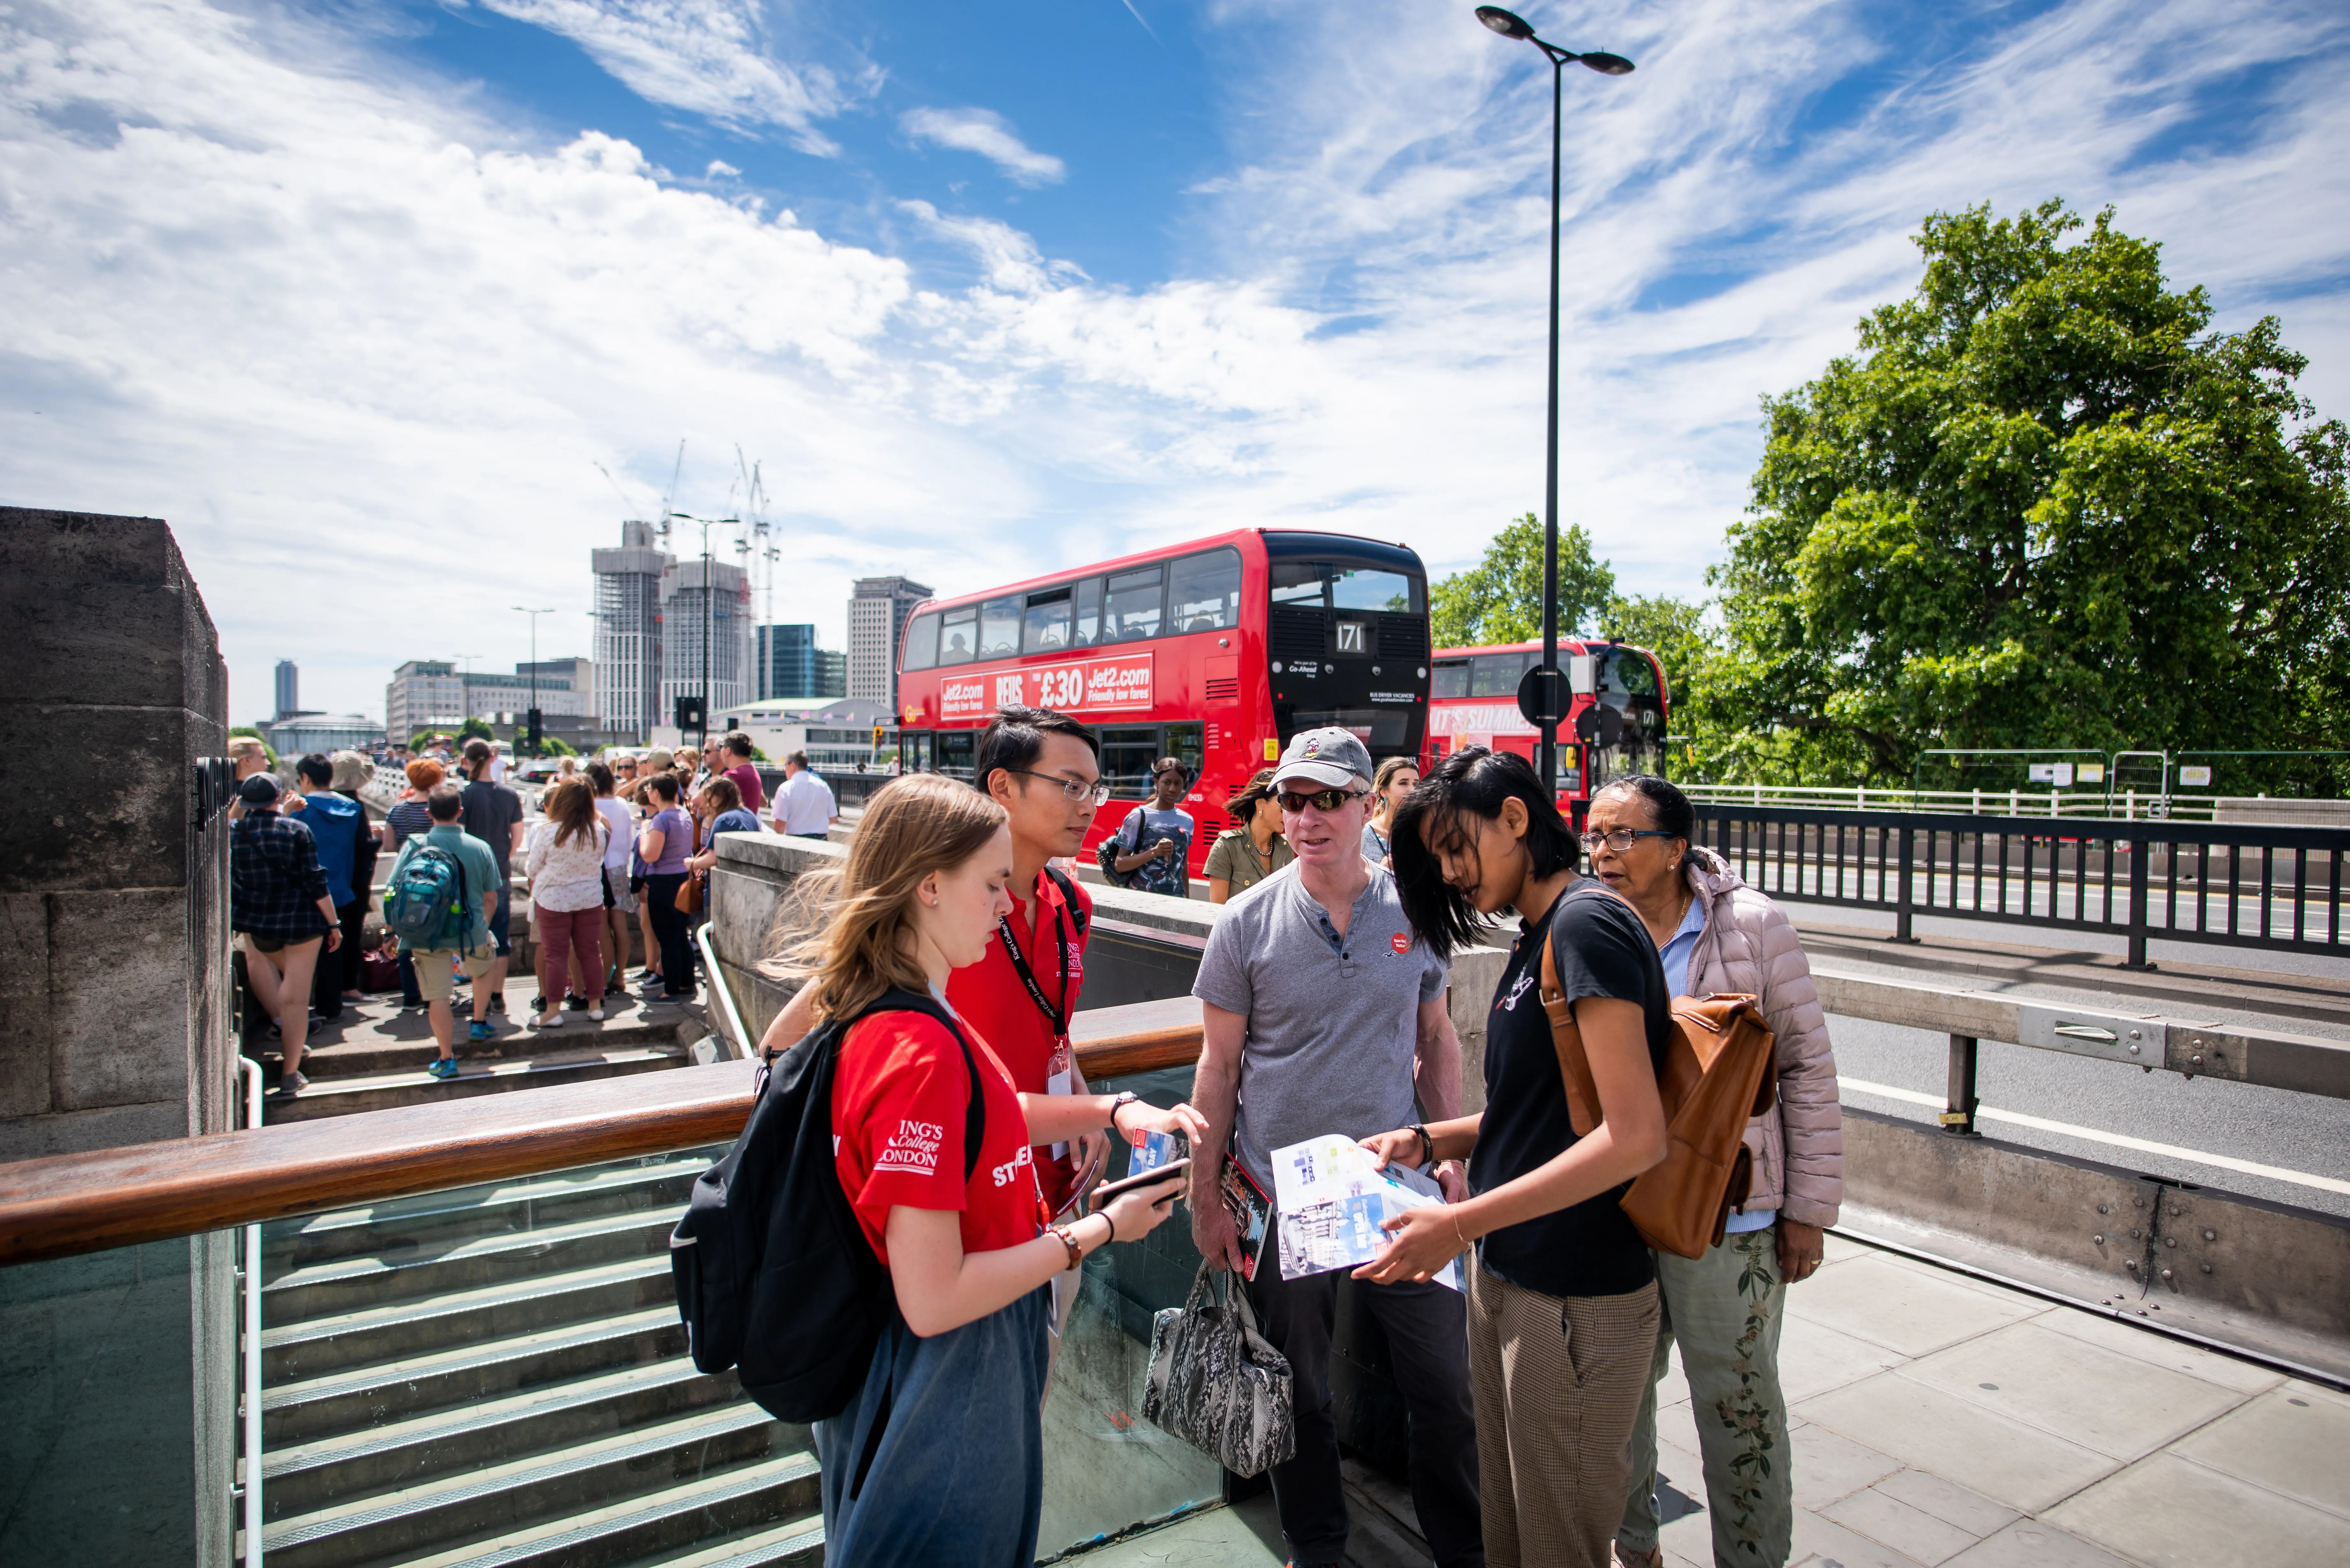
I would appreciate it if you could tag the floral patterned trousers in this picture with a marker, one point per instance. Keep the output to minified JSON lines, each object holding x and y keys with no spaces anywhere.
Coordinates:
{"x":1724,"y":1311}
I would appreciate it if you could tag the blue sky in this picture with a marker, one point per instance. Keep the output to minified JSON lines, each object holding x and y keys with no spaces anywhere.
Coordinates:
{"x":359,"y":293}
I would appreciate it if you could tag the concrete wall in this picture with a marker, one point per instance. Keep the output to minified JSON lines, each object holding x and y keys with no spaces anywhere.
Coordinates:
{"x":117,"y":1394}
{"x":113,"y":978}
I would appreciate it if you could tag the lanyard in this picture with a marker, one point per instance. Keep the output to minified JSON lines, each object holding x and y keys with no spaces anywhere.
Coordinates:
{"x":1053,"y":1015}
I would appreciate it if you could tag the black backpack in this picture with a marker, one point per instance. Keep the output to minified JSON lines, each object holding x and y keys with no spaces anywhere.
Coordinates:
{"x":774,"y":1275}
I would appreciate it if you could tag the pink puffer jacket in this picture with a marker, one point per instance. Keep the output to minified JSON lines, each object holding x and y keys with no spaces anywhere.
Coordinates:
{"x":1749,"y":946}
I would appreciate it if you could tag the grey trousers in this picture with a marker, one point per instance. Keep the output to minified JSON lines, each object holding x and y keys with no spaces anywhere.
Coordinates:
{"x":1724,"y":1311}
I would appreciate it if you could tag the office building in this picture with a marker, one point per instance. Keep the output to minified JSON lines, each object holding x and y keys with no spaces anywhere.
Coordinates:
{"x":298,"y":734}
{"x":705,"y":636}
{"x":433,"y":694}
{"x":877,"y":615}
{"x":425,"y":694}
{"x":289,"y":688}
{"x":792,"y":668}
{"x":628,"y":649}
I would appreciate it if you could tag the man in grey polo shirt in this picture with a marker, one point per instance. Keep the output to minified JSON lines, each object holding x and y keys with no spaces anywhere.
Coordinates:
{"x":1324,"y":1012}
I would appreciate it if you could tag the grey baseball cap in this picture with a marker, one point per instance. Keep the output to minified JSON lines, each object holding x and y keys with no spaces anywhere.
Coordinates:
{"x":1330,"y":757}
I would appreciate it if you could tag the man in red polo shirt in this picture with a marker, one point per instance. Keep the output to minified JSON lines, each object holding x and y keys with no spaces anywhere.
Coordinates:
{"x":1044,"y":769}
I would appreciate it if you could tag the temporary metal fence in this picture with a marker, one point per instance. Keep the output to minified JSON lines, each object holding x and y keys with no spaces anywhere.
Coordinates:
{"x":2253,"y":886}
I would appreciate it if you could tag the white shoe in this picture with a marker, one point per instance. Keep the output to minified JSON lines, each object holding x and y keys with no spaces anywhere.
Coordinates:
{"x":595,"y":1015}
{"x":550,"y":1021}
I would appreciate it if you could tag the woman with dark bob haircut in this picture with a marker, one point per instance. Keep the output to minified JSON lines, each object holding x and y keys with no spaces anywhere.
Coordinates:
{"x":1563,"y":1306}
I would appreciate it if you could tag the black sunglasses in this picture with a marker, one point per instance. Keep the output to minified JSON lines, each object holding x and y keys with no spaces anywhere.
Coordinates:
{"x":1321,"y":800}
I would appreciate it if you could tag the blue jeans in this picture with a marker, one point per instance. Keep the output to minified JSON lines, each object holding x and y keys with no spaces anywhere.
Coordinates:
{"x":502,"y":921}
{"x":948,"y":1436}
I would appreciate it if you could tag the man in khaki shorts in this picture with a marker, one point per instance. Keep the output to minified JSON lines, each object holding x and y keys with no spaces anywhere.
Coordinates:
{"x":465,"y":933}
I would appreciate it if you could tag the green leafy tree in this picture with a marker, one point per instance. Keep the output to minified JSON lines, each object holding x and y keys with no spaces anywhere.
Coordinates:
{"x":2043,"y":505}
{"x":1499,"y":600}
{"x":471,"y":728}
{"x":556,"y":746}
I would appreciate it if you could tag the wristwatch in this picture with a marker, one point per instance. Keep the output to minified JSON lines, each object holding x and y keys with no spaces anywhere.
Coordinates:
{"x":1119,"y":1101}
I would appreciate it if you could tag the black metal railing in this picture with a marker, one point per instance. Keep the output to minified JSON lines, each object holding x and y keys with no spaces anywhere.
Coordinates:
{"x":2253,"y":886}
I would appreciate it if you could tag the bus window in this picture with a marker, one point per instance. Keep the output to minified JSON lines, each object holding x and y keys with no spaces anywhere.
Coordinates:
{"x":914,"y":751}
{"x":1451,"y":680}
{"x":1188,"y":743}
{"x":1498,"y":674}
{"x":922,"y":643}
{"x":1132,"y":612}
{"x":960,"y":634}
{"x":1047,"y":627}
{"x":956,"y":749}
{"x":999,"y":629}
{"x":1354,"y":589}
{"x":1204,"y":592}
{"x":1621,"y":670}
{"x":1300,"y":583}
{"x":1088,"y":602}
{"x":1127,"y":753}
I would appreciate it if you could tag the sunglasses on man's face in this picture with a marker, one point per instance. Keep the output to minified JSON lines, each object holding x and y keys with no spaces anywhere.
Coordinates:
{"x":1320,"y":800}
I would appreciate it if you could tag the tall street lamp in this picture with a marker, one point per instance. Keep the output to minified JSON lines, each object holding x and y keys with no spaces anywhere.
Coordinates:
{"x":532,"y":722}
{"x":1542,"y":696}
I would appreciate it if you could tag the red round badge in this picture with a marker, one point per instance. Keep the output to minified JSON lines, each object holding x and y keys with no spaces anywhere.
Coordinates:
{"x":1401,"y":942}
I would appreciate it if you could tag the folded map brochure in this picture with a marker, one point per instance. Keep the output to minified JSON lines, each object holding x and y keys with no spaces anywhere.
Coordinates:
{"x":1157,"y":1148}
{"x":1333,"y":1206}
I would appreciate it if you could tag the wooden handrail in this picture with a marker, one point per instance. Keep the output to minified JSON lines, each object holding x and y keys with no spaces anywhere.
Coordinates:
{"x":75,"y":1203}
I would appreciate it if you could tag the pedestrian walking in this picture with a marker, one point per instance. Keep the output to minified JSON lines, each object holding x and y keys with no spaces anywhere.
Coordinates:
{"x":408,"y":818}
{"x":494,"y":814}
{"x":805,"y":807}
{"x":337,"y":823}
{"x":1154,"y":842}
{"x":619,"y":899}
{"x":1323,"y":998}
{"x":1716,"y":935}
{"x":1245,"y":854}
{"x":736,"y":754}
{"x":1396,"y":779}
{"x":939,"y":1460}
{"x":278,"y":899}
{"x":566,"y":865}
{"x":663,"y":845}
{"x":462,"y":936}
{"x":1563,"y":1306}
{"x":352,"y":774}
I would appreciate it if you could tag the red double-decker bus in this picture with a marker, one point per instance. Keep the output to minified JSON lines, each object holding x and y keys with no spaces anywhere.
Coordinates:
{"x":1615,"y":725}
{"x":1215,"y":651}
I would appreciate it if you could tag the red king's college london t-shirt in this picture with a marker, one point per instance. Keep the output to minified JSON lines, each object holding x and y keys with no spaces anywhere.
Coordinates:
{"x":898,"y":1100}
{"x":990,"y":994}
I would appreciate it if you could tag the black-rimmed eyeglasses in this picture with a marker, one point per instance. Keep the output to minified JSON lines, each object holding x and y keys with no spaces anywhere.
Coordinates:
{"x":1076,"y":789}
{"x":1620,"y":839}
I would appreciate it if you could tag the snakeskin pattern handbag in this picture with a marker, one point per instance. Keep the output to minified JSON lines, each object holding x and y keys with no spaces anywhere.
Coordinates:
{"x":1216,"y":1383}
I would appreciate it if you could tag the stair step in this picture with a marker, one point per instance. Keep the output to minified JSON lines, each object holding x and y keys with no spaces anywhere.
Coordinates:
{"x":347,"y":1097}
{"x":320,"y":1408}
{"x":682,"y":1518}
{"x":584,"y":1492}
{"x":343,"y":1341}
{"x":351,"y":1285}
{"x":797,"y":1544}
{"x":402,"y":1224}
{"x":406,"y":1044}
{"x":371,"y":1460}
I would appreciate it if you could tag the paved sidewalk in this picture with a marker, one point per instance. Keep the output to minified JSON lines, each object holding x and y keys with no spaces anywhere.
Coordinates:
{"x":1942,"y":1420}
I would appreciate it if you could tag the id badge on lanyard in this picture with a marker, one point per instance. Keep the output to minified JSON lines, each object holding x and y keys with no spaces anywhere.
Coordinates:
{"x":1060,"y":1076}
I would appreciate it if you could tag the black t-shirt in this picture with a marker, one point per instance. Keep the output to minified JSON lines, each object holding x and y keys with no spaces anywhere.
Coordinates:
{"x":490,"y":812}
{"x":1603,"y":950}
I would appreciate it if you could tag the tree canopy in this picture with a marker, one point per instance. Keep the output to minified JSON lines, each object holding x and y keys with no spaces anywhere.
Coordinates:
{"x":1499,"y":600}
{"x":2045,"y":505}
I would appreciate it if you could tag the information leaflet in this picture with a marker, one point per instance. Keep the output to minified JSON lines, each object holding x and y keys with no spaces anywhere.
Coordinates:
{"x":1333,"y":1202}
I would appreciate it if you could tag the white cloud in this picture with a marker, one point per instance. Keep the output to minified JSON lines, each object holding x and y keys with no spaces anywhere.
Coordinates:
{"x":710,"y":57}
{"x":986,"y":133}
{"x":362,"y":347}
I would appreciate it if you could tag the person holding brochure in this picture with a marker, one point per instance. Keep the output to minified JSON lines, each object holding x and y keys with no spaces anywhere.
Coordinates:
{"x":1563,"y":1306}
{"x":940,"y":1459}
{"x":1324,"y":1011}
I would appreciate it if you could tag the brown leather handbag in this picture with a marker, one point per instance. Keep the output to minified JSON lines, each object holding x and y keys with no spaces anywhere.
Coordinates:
{"x":1717,"y":1075}
{"x":689,"y":892}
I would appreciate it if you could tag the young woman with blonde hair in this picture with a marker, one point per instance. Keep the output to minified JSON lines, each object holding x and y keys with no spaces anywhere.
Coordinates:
{"x":939,"y":1460}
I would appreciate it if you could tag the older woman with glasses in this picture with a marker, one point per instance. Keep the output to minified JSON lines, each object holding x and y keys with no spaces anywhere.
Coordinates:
{"x":1716,"y":934}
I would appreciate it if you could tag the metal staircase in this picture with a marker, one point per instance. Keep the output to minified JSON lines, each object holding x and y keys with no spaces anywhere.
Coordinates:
{"x":496,"y":1375}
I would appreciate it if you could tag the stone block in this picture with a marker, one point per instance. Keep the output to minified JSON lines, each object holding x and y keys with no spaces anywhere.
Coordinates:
{"x":120,"y":974}
{"x":72,"y":1132}
{"x":104,"y":612}
{"x":111,"y":810}
{"x":24,"y":1055}
{"x":2169,"y":1513}
{"x":23,"y":945}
